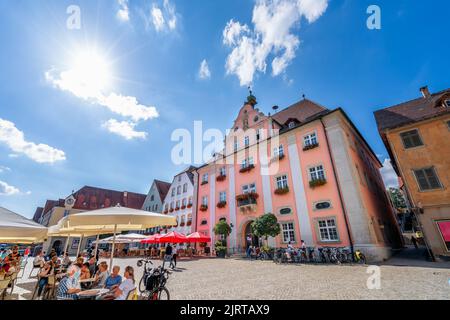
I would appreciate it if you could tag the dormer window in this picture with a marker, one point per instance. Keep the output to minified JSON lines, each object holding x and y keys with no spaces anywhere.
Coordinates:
{"x":447,"y":103}
{"x":291,"y":124}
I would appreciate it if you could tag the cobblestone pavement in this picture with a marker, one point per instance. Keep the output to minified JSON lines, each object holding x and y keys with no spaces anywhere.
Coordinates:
{"x":236,"y":278}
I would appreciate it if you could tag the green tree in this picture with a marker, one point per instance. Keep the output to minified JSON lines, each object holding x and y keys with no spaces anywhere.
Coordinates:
{"x":398,"y":200}
{"x":266,"y":226}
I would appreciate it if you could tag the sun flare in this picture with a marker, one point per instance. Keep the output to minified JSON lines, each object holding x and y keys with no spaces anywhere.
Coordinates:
{"x":90,"y":71}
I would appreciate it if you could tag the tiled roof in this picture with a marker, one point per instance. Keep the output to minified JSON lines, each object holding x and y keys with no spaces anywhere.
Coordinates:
{"x":37,"y":214}
{"x":301,"y":111}
{"x":91,"y":198}
{"x":163,"y":188}
{"x":50,"y":204}
{"x":412,"y":111}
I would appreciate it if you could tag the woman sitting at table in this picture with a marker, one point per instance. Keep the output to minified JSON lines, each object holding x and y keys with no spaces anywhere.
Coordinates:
{"x":101,"y":275}
{"x":39,"y":260}
{"x":85,"y":274}
{"x":121,"y":292}
{"x":43,"y":277}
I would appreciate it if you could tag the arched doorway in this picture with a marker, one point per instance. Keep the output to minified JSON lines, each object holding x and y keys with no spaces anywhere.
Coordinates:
{"x":57,"y":246}
{"x":249,"y":238}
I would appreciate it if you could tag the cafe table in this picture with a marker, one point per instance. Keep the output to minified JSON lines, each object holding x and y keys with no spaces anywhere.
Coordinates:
{"x":91,"y":294}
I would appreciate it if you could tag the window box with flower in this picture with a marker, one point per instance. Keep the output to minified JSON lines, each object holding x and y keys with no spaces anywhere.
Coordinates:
{"x":171,"y":210}
{"x":222,"y":204}
{"x":204,"y":182}
{"x":281,"y":191}
{"x":221,"y":178}
{"x":247,"y":168}
{"x":203,"y":207}
{"x":183,"y":207}
{"x":317,"y":182}
{"x":310,"y":146}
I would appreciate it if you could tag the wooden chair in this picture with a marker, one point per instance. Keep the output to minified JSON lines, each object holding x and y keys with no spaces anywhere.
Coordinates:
{"x":13,"y":280}
{"x":50,"y":288}
{"x":4,"y":287}
{"x":23,"y":264}
{"x":132,"y":295}
{"x":30,"y":276}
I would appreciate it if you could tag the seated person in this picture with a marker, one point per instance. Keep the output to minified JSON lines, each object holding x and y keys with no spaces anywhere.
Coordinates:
{"x":66,"y":260}
{"x":43,"y":277}
{"x":39,"y":260}
{"x":121,"y":293}
{"x":114,"y":279}
{"x":92,"y":266}
{"x":69,"y":286}
{"x":80,"y":262}
{"x":101,"y":275}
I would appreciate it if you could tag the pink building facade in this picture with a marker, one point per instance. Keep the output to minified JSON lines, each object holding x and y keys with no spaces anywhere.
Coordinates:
{"x":307,"y":165}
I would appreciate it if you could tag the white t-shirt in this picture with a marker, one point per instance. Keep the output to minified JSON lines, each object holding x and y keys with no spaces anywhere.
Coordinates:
{"x":125,"y":287}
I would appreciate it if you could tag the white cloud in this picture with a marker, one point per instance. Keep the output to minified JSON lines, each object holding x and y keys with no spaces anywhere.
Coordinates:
{"x":157,"y":18}
{"x":163,"y":18}
{"x":124,"y":129}
{"x":123,"y":13}
{"x":15,"y":140}
{"x":7,"y":190}
{"x":126,"y":106}
{"x":271,"y":37}
{"x":204,"y":72}
{"x":388,"y":174}
{"x":3,"y":169}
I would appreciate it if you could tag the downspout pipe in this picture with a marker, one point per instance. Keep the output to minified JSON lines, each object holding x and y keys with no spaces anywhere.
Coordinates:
{"x":341,"y":200}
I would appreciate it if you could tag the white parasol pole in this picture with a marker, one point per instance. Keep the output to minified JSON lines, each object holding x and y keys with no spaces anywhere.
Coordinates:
{"x":113,"y":248}
{"x":79,"y":245}
{"x":67,"y":244}
{"x":96,"y":247}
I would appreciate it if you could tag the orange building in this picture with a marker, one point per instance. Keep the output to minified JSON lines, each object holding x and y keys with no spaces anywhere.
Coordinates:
{"x":310,"y":167}
{"x":417,"y":136}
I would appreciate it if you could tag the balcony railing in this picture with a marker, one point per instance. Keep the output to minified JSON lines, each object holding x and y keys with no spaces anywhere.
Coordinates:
{"x":247,"y":199}
{"x":310,"y":146}
{"x":247,"y":168}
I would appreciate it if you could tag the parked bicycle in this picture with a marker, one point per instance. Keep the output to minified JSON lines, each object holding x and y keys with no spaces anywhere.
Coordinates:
{"x":153,"y":282}
{"x":318,"y":255}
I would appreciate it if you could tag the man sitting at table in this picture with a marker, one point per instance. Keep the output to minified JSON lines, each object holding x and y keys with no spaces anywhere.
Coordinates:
{"x":92,"y":266}
{"x":39,"y":260}
{"x":101,"y":275}
{"x":43,"y":277}
{"x":114,"y":279}
{"x":69,"y":286}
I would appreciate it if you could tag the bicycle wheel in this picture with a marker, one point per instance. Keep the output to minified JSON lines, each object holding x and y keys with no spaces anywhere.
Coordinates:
{"x":142,"y":284}
{"x":163,"y":294}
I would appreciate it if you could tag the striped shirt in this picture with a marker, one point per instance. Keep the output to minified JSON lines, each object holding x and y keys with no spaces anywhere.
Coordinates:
{"x":65,"y":284}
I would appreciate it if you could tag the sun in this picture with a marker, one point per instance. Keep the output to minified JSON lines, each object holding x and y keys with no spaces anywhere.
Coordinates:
{"x":90,"y":71}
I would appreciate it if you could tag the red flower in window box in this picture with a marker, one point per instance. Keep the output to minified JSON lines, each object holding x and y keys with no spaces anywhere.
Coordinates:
{"x":204,"y":182}
{"x":203,"y":207}
{"x":310,"y":146}
{"x":281,"y":191}
{"x":171,"y":210}
{"x":221,"y":178}
{"x":247,"y":168}
{"x":222,"y":204}
{"x":189,"y":205}
{"x":183,"y":207}
{"x":182,"y":224}
{"x":189,"y":223}
{"x":166,"y":211}
{"x":177,"y":208}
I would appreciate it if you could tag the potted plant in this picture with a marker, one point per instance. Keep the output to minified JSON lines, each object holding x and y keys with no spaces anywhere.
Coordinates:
{"x":183,"y":207}
{"x":281,"y":191}
{"x":221,"y":177}
{"x":310,"y":146}
{"x":203,"y":207}
{"x":223,"y":229}
{"x":189,"y":205}
{"x":222,"y":204}
{"x":317,"y":182}
{"x":266,"y":226}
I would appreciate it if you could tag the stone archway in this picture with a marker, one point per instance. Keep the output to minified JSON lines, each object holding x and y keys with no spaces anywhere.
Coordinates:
{"x":243,"y":232}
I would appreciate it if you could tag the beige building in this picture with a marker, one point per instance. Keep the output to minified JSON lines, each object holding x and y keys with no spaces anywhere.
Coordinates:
{"x":417,"y":136}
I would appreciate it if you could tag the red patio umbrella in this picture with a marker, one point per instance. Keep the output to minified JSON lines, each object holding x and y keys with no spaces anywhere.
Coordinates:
{"x":152,"y":239}
{"x":173,"y":237}
{"x":198,"y":237}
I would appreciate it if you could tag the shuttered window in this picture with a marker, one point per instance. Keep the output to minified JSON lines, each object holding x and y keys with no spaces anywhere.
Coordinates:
{"x":411,"y":139}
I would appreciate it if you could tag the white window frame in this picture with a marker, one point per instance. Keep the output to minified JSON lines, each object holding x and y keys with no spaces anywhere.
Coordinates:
{"x":310,"y":139}
{"x":328,"y":229}
{"x":173,"y":192}
{"x":249,"y":188}
{"x":288,"y":233}
{"x":222,"y":196}
{"x":205,"y":200}
{"x":223,"y":171}
{"x":205,"y":177}
{"x":282,"y":181}
{"x":185,"y":187}
{"x":314,"y":171}
{"x":278,"y":151}
{"x":246,"y":141}
{"x":178,"y":190}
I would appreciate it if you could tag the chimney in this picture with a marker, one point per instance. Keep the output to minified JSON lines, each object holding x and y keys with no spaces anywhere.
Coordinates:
{"x":425,"y":92}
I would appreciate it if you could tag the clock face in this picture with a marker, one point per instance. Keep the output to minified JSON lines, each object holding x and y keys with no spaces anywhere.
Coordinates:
{"x":69,"y":201}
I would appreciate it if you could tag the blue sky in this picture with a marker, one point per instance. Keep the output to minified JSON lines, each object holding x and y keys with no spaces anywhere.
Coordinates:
{"x":154,"y":51}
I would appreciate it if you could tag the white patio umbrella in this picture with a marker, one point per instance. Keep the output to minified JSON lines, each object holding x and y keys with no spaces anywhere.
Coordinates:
{"x":15,"y":228}
{"x":124,"y":238}
{"x":117,"y":218}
